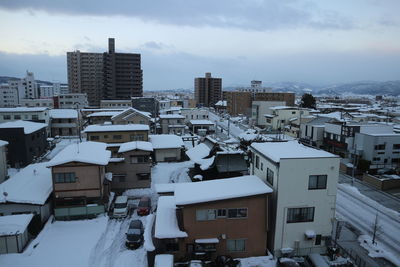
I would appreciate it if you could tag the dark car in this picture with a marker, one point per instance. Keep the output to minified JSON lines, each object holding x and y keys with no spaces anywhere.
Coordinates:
{"x":144,"y":206}
{"x":134,"y":236}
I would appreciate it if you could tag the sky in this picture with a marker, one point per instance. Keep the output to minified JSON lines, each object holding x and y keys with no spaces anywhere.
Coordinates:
{"x":317,"y":42}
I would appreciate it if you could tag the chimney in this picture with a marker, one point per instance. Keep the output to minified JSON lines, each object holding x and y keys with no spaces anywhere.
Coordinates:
{"x":111,"y":45}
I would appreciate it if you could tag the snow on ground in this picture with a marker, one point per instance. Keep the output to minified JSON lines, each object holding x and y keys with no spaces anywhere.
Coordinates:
{"x":60,"y":243}
{"x":176,"y":172}
{"x":263,"y":261}
{"x":377,"y":251}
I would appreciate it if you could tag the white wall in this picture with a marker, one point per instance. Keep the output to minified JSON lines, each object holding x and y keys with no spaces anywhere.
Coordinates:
{"x":161,"y":154}
{"x":259,"y":108}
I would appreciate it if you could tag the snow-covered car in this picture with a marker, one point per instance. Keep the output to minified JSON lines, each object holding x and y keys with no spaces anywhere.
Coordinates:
{"x":134,"y":236}
{"x":144,"y":206}
{"x":120,"y":207}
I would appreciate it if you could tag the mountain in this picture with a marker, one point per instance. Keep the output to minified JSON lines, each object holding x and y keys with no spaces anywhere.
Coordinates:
{"x":391,"y":88}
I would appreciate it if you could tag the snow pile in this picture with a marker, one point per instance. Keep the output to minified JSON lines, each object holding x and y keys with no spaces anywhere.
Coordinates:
{"x":175,"y":172}
{"x":28,"y":126}
{"x":135,"y":145}
{"x":290,"y":149}
{"x":63,"y":114}
{"x":86,"y":152}
{"x":263,"y":261}
{"x":166,"y":222}
{"x":148,"y":240}
{"x":14,"y":224}
{"x":190,"y":193}
{"x":32,"y":184}
{"x":164,"y":260}
{"x":116,"y":128}
{"x":165,"y":141}
{"x":376,"y":251}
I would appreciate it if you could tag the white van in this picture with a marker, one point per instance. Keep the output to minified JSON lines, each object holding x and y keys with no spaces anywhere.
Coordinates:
{"x":120,"y":207}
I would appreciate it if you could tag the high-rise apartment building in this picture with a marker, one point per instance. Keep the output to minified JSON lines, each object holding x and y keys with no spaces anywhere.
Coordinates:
{"x":26,"y":88}
{"x":108,"y":75}
{"x":207,"y":90}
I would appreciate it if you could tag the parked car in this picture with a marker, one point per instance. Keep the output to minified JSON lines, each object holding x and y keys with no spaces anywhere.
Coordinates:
{"x":144,"y":206}
{"x":120,"y":207}
{"x":134,"y":236}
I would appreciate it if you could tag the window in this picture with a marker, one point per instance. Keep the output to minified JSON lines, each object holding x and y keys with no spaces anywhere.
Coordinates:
{"x":17,"y":117}
{"x":317,"y":182}
{"x":105,"y":136}
{"x":300,"y":215}
{"x":35,"y":117}
{"x":206,"y":215}
{"x":318,"y":240}
{"x":236,"y":245}
{"x":262,"y":166}
{"x":7,"y":117}
{"x":66,"y":177}
{"x":143,"y":176}
{"x":94,"y":137}
{"x":380,"y":147}
{"x":237,"y":213}
{"x":257,"y":162}
{"x":221,"y":213}
{"x":376,"y":159}
{"x":138,"y":137}
{"x":139,"y":159}
{"x":117,"y":137}
{"x":396,"y":146}
{"x":270,"y":176}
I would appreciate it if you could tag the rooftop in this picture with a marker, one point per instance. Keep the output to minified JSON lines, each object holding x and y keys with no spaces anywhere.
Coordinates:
{"x":171,"y":116}
{"x":116,"y":128}
{"x":103,"y":114}
{"x":24,"y":109}
{"x":165,"y":141}
{"x":201,"y":122}
{"x":135,"y":145}
{"x":63,"y":114}
{"x":28,"y":126}
{"x":289,"y":150}
{"x":14,"y":224}
{"x":86,"y":152}
{"x":166,"y":222}
{"x":220,"y":189}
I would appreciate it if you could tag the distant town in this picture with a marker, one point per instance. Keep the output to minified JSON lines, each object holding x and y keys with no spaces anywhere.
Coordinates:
{"x":99,"y":172}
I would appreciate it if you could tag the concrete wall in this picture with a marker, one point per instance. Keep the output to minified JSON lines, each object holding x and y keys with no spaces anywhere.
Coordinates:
{"x":259,"y":108}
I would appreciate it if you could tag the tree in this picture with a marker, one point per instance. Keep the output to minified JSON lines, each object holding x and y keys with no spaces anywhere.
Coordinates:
{"x":307,"y":101}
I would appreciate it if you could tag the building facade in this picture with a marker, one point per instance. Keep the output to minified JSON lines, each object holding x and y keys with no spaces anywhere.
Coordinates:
{"x":207,"y":90}
{"x":238,"y":102}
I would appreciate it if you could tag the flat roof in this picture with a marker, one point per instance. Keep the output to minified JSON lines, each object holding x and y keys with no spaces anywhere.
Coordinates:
{"x":63,"y":113}
{"x":28,"y":126}
{"x":24,"y":109}
{"x":14,"y":224}
{"x":165,"y":141}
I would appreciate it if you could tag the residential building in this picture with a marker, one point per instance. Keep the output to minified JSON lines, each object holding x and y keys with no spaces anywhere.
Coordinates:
{"x":49,"y":91}
{"x":288,"y":98}
{"x":146,"y":104}
{"x":207,"y":90}
{"x":218,"y":217}
{"x":37,"y":102}
{"x":167,"y":147}
{"x":14,"y":235}
{"x":280,"y":116}
{"x":3,"y":161}
{"x":165,"y":104}
{"x":64,"y":122}
{"x":132,"y":166}
{"x":382,"y":150}
{"x":198,"y":126}
{"x":101,"y":117}
{"x":238,"y":102}
{"x":8,"y":96}
{"x":260,"y":108}
{"x":194,"y":114}
{"x":35,"y":114}
{"x":172,"y":124}
{"x":117,"y":133}
{"x":26,"y":141}
{"x":80,"y":186}
{"x":312,"y":132}
{"x":71,"y":101}
{"x":304,"y":180}
{"x":131,"y":116}
{"x":109,"y":103}
{"x":26,"y":87}
{"x":28,"y":191}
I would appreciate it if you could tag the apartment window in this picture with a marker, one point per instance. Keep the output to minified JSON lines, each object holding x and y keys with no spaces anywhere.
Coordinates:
{"x":380,"y":147}
{"x":237,"y":213}
{"x":221,"y":213}
{"x":257,"y":162}
{"x":236,"y":245}
{"x":296,"y":215}
{"x":317,"y":182}
{"x":35,"y":117}
{"x":120,"y":177}
{"x":262,"y":166}
{"x":94,"y":137}
{"x":376,"y":159}
{"x":270,"y":176}
{"x":66,"y":177}
{"x":381,"y":153}
{"x":206,"y":215}
{"x":17,"y":117}
{"x":7,"y":117}
{"x":117,"y":137}
{"x":105,"y":136}
{"x":137,"y":137}
{"x":318,"y":239}
{"x":396,"y":146}
{"x":139,"y":159}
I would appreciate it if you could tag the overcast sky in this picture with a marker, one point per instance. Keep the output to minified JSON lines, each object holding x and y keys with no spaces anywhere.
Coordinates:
{"x":318,"y":42}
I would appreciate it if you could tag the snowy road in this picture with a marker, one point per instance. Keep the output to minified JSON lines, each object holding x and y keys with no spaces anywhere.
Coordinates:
{"x":235,"y":131}
{"x":360,"y":211}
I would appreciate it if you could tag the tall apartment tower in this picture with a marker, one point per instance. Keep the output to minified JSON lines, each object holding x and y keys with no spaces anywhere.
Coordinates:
{"x":85,"y":75}
{"x":123,"y":76}
{"x":207,"y":90}
{"x":107,"y":75}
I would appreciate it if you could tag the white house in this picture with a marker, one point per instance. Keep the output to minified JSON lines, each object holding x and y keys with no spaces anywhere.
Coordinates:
{"x":304,"y":180}
{"x":36,"y":114}
{"x":280,"y":116}
{"x":167,"y":147}
{"x":259,"y":108}
{"x":194,"y":114}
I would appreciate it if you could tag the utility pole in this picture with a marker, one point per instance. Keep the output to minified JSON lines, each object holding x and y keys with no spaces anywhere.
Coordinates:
{"x":375,"y":229}
{"x":229,"y":125}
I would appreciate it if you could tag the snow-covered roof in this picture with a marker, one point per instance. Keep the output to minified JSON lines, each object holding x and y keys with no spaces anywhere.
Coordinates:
{"x":3,"y":143}
{"x":135,"y":145}
{"x":103,"y":114}
{"x":23,"y":109}
{"x":164,"y":260}
{"x":63,"y":114}
{"x":129,"y":111}
{"x":117,"y":128}
{"x":164,"y":141}
{"x":166,"y":221}
{"x":198,"y":152}
{"x":164,"y":188}
{"x":29,"y":126}
{"x":32,"y":184}
{"x":14,"y":224}
{"x":201,"y":122}
{"x":289,"y":150}
{"x":221,"y":103}
{"x":87,"y":152}
{"x":171,"y":116}
{"x":220,"y":189}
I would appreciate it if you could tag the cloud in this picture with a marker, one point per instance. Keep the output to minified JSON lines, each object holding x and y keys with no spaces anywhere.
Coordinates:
{"x":257,"y":15}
